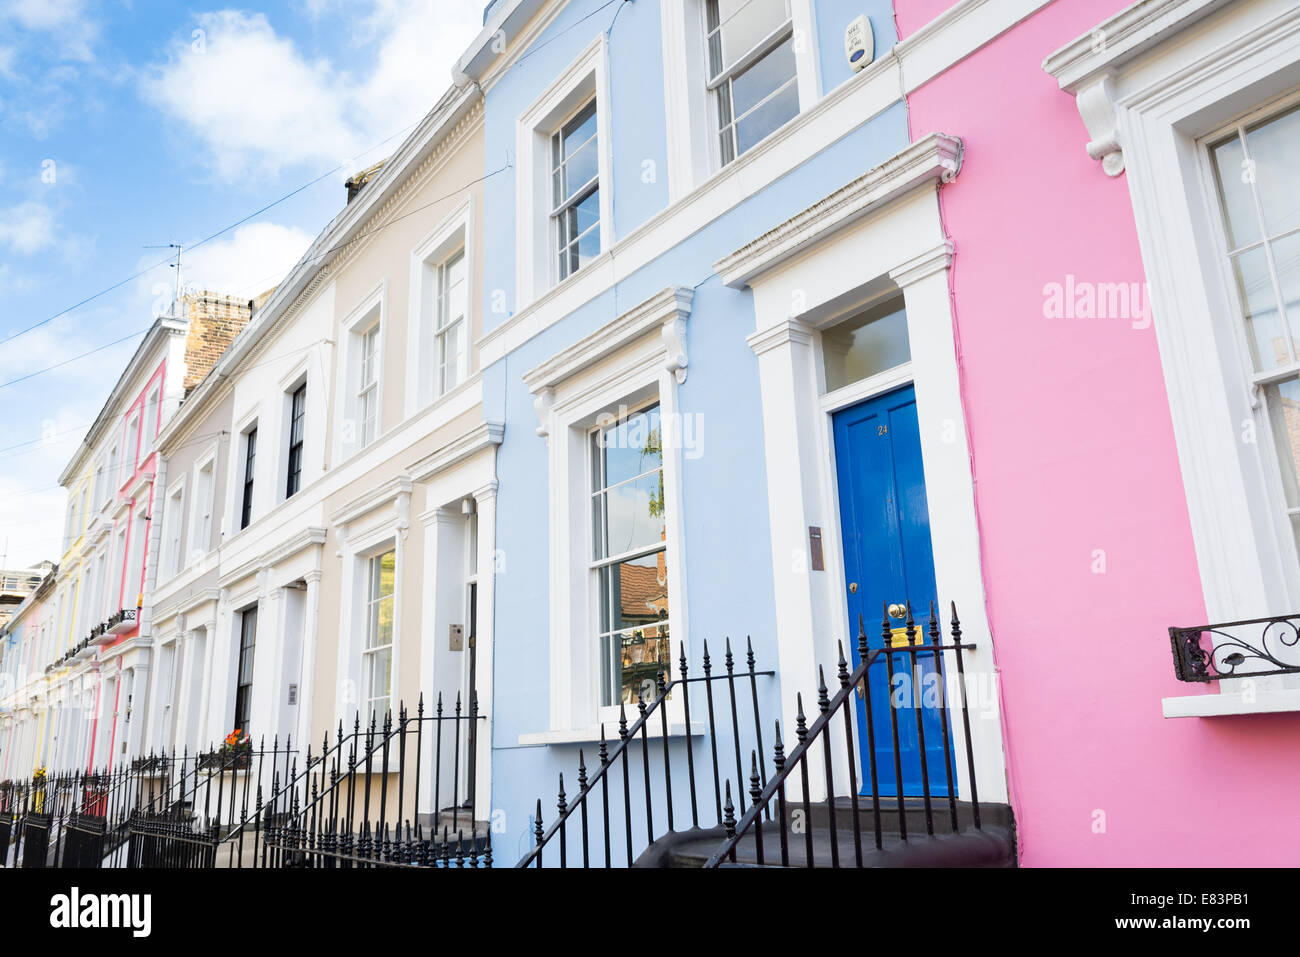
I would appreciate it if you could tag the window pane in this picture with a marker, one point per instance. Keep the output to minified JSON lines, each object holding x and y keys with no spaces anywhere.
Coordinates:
{"x":1264,"y":326}
{"x":1283,"y":401}
{"x":1234,"y":193}
{"x":380,"y":677}
{"x":777,"y":111}
{"x":579,"y":155}
{"x":866,"y":344}
{"x":760,"y":80}
{"x":588,"y":246}
{"x":630,"y":515}
{"x":635,"y":612}
{"x":636,"y":593}
{"x":1275,"y":152}
{"x":631,"y":447}
{"x":743,"y":24}
{"x":1286,"y":258}
{"x":578,"y":131}
{"x":586,"y":213}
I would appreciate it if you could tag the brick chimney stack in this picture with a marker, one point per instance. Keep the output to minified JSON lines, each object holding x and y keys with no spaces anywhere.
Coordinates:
{"x":214,"y":321}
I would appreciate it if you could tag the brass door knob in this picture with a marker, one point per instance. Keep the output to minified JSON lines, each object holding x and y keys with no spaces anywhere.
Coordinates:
{"x":853,"y":588}
{"x":898,"y":611}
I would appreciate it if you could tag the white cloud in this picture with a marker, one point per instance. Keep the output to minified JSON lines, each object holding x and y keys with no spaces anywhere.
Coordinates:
{"x":244,"y":263}
{"x":66,"y":22}
{"x":255,"y":258}
{"x":27,"y":228}
{"x":257,"y":105}
{"x":249,"y":95}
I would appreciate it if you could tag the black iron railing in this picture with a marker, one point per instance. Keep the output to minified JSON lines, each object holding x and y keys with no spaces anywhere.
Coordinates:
{"x":351,"y":804}
{"x":860,"y":812}
{"x":1237,"y":649}
{"x":919,"y":652}
{"x":593,"y":794}
{"x":356,"y":804}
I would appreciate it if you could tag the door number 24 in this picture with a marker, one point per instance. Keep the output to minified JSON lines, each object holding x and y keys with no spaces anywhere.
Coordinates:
{"x":882,"y":430}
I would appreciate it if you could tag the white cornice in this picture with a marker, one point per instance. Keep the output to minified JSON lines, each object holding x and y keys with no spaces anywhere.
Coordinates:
{"x":312,"y":535}
{"x":1123,"y":36}
{"x":935,"y":159}
{"x":372,"y":499}
{"x":664,"y":311}
{"x":481,"y":437}
{"x":783,"y":333}
{"x":926,"y":264}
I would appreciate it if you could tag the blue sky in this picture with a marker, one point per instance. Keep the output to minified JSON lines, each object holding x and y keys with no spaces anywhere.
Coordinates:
{"x":126,"y":124}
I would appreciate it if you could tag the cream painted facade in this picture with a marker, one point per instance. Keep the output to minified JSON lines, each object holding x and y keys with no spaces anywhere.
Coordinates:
{"x":342,"y":428}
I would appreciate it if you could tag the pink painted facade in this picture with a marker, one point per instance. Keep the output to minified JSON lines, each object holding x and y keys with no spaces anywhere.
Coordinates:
{"x":1075,"y":464}
{"x":138,"y":463}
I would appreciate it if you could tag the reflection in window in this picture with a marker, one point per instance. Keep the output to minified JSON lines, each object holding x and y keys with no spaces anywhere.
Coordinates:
{"x":751,"y":70}
{"x":575,"y":191}
{"x":1254,"y":170}
{"x":377,"y":656}
{"x":866,"y":344}
{"x":628,"y":556}
{"x":450,"y":329}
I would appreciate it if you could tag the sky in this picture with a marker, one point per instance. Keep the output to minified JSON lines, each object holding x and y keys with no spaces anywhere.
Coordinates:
{"x":126,"y":125}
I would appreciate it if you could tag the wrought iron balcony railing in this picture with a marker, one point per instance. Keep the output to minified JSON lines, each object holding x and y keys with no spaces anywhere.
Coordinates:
{"x":1237,"y":649}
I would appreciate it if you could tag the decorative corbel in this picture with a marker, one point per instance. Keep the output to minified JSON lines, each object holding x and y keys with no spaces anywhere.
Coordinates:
{"x":1100,"y":112}
{"x":402,"y":507}
{"x":542,"y":403}
{"x":673,"y":334}
{"x":341,"y":536}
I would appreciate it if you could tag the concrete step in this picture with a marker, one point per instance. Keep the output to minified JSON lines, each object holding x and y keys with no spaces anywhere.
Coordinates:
{"x":991,"y":845}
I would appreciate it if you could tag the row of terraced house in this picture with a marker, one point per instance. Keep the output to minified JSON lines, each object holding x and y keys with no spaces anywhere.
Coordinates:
{"x":694,"y":357}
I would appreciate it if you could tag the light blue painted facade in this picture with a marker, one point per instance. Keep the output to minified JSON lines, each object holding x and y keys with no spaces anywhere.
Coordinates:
{"x":729,"y":568}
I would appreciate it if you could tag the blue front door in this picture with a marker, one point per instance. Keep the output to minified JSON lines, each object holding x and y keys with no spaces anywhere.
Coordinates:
{"x":888,"y":560}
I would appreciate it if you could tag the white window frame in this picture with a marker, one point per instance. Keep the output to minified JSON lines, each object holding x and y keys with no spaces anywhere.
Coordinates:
{"x":597,"y":565}
{"x":149,"y":419}
{"x":536,"y":255}
{"x":358,"y":550}
{"x":238,"y":469}
{"x":135,"y":440}
{"x":369,"y":604}
{"x":1149,"y":99}
{"x":289,"y":385}
{"x":453,"y":234}
{"x":202,"y":526}
{"x":112,"y":475}
{"x":174,"y":538}
{"x":637,"y":359}
{"x":693,"y":154}
{"x":368,"y":315}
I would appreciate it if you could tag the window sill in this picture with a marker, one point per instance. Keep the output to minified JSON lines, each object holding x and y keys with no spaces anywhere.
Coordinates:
{"x":1218,"y":705}
{"x":590,"y":735}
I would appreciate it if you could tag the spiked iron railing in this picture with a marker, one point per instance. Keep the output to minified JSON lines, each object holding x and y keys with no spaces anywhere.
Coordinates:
{"x":593,"y":794}
{"x":345,"y":806}
{"x":85,"y":819}
{"x":914,"y":655}
{"x":764,"y":808}
{"x":340,"y":815}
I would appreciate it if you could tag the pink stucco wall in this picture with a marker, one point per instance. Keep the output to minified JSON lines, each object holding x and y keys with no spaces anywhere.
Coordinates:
{"x":1073,"y":453}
